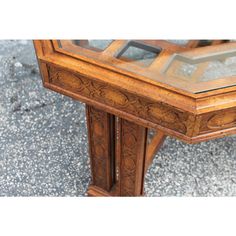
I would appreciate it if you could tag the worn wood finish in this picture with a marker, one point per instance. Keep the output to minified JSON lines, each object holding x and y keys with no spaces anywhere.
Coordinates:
{"x":124,"y":99}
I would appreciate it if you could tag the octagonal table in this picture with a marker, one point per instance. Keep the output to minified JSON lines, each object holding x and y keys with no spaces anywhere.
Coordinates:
{"x":137,"y":92}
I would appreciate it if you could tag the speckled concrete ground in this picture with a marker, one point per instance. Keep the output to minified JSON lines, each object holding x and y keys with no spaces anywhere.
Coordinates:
{"x":43,"y":143}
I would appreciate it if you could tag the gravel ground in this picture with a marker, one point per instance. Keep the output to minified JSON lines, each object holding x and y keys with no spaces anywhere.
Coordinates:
{"x":43,"y":143}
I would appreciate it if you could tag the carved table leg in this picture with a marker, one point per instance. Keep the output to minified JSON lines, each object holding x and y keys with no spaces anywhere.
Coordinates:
{"x":101,"y":146}
{"x":118,"y":154}
{"x":130,"y":153}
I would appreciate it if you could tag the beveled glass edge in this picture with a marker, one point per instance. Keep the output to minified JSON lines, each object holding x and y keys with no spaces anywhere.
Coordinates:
{"x":197,"y":60}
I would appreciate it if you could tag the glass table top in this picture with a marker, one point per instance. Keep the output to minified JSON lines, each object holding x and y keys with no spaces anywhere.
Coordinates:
{"x":95,"y":45}
{"x":195,"y":66}
{"x":140,"y":53}
{"x":202,"y":70}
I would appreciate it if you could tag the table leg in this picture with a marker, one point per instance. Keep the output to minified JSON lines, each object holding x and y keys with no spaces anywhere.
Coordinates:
{"x":101,"y":147}
{"x":118,"y":154}
{"x":130,"y":153}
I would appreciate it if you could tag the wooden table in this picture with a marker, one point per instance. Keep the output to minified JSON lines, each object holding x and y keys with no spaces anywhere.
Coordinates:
{"x":137,"y":92}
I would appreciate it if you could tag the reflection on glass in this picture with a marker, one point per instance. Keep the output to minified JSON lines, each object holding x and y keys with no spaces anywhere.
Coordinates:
{"x":203,"y":43}
{"x":181,"y":42}
{"x":95,"y":45}
{"x":197,"y":43}
{"x":184,"y":65}
{"x":204,"y":70}
{"x":141,"y":53}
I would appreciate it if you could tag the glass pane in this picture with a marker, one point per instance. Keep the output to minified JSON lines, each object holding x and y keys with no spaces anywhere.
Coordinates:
{"x":196,"y":43}
{"x":141,"y":53}
{"x":203,"y":43}
{"x":181,"y":42}
{"x":96,"y":45}
{"x":205,"y":70}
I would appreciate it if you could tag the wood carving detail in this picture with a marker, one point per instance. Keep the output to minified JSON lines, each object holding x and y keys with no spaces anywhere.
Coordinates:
{"x":218,"y":121}
{"x":129,"y":144}
{"x":222,"y":120}
{"x":157,"y":112}
{"x":99,"y":148}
